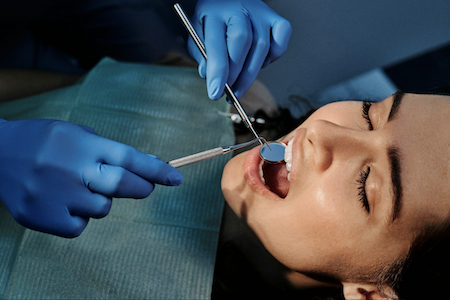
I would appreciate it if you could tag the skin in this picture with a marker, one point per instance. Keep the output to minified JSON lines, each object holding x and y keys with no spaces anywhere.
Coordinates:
{"x":321,"y":227}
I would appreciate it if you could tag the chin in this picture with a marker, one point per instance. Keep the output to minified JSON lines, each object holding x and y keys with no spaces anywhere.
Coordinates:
{"x":233,"y":183}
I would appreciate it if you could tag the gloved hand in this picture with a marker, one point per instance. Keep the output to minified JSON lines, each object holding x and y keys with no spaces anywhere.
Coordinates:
{"x":55,"y":175}
{"x":240,"y":37}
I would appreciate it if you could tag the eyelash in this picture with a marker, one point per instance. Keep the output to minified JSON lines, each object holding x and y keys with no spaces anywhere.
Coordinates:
{"x":362,"y":189}
{"x":365,"y":113}
{"x":363,"y":175}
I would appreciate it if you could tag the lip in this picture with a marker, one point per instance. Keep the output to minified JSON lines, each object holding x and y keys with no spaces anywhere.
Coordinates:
{"x":251,"y":174}
{"x":299,"y":153}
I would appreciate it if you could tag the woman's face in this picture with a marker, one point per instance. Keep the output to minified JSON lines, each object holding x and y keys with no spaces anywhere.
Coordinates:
{"x":364,"y":179}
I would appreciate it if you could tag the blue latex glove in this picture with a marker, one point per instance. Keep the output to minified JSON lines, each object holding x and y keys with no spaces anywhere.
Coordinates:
{"x":241,"y":37}
{"x":55,"y":175}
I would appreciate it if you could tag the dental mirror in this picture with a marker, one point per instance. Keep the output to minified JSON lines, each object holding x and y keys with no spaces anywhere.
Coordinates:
{"x":273,"y":154}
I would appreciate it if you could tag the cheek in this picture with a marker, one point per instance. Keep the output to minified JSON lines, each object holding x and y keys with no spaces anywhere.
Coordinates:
{"x":306,"y":229}
{"x":323,"y":198}
{"x":322,"y":209}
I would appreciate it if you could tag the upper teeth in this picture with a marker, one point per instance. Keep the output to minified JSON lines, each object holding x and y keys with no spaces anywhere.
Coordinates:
{"x":261,"y":172}
{"x":288,"y":157}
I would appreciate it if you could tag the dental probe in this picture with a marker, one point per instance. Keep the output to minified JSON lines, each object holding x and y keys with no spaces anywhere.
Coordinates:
{"x":188,"y":25}
{"x":201,"y":156}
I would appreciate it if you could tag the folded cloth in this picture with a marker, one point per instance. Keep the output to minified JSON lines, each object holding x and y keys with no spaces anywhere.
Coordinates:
{"x":162,"y":247}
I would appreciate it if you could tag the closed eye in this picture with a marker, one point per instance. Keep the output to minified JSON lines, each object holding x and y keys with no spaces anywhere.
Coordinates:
{"x":362,"y":189}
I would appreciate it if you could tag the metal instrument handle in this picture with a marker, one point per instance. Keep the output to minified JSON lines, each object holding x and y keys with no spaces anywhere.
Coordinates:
{"x":190,"y":159}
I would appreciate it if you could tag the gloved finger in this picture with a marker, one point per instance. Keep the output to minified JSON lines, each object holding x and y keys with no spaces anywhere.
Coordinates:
{"x":55,"y":220}
{"x":193,"y":49}
{"x":88,"y":129}
{"x":239,"y":42}
{"x":217,"y":62}
{"x":202,"y":68}
{"x":195,"y":53}
{"x":91,"y":205}
{"x":72,"y":227}
{"x":114,"y":181}
{"x":255,"y":59}
{"x":281,"y":34}
{"x":146,"y":166}
{"x":75,"y":227}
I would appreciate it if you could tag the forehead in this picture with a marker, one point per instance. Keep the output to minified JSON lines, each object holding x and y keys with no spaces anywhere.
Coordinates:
{"x":421,"y":131}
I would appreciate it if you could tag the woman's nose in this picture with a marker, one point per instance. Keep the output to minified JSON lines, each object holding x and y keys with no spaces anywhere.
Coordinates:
{"x":332,"y":142}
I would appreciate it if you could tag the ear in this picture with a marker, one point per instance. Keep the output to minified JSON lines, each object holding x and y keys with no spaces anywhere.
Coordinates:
{"x":356,"y":291}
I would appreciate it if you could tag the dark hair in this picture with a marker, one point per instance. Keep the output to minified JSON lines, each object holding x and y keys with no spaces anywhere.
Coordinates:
{"x":425,"y":272}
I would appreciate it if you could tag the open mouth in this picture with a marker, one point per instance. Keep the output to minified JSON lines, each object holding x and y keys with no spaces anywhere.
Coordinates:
{"x":276,"y":176}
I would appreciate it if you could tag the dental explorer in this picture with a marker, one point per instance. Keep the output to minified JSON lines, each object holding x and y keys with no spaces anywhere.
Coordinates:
{"x":204,"y":155}
{"x":230,"y":95}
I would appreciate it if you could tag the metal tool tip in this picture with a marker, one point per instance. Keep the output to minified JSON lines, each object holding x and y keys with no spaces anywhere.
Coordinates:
{"x":265,"y":143}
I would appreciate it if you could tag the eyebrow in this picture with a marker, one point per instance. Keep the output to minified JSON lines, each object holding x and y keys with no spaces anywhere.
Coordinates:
{"x":396,"y":182}
{"x":398,"y":97}
{"x":394,"y":162}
